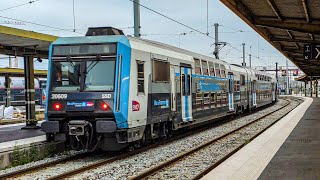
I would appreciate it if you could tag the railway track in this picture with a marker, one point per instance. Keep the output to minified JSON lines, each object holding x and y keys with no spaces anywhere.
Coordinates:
{"x":177,"y":165}
{"x":35,"y":168}
{"x":97,"y":163}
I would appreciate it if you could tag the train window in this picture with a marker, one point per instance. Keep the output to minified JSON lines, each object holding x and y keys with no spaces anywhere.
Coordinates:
{"x":161,"y":71}
{"x":199,"y":101}
{"x":213,"y":100}
{"x":140,"y":71}
{"x":204,"y":65}
{"x":197,"y":66}
{"x":206,"y":100}
{"x":186,"y":90}
{"x":183,"y":80}
{"x":189,"y":85}
{"x":217,"y":69}
{"x":223,"y":71}
{"x":65,"y":76}
{"x":242,"y":80}
{"x":99,"y":75}
{"x":219,"y":100}
{"x":211,"y":69}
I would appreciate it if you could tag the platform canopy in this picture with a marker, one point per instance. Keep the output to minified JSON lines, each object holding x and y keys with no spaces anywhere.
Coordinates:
{"x":18,"y":42}
{"x":287,"y":25}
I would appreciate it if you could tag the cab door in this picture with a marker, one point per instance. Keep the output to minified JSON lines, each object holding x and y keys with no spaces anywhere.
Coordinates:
{"x":231,"y":92}
{"x":186,"y":94}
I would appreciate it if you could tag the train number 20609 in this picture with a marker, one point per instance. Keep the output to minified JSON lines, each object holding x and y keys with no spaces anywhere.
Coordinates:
{"x":59,"y":96}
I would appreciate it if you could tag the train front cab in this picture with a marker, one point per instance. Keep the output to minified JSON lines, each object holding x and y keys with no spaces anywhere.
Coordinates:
{"x":85,"y":79}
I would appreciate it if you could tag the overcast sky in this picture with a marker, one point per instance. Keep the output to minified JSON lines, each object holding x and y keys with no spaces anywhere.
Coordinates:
{"x":119,"y":14}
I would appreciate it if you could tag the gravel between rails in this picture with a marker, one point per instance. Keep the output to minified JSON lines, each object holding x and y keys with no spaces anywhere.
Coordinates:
{"x":128,"y":167}
{"x":43,"y":161}
{"x":189,"y":167}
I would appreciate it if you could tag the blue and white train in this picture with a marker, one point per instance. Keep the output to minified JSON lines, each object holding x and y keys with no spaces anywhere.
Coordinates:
{"x":109,"y":91}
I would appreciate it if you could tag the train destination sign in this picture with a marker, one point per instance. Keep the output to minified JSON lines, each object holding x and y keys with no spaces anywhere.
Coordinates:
{"x":311,"y":51}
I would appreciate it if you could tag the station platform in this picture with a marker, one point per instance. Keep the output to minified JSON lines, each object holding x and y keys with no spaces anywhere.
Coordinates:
{"x":290,"y":149}
{"x":12,"y":135}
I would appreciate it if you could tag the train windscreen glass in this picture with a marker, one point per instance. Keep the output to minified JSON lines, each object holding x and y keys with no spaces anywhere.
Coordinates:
{"x":99,"y":75}
{"x":65,"y":76}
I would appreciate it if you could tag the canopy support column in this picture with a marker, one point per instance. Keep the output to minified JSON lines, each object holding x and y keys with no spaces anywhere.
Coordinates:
{"x":31,"y":122}
{"x":316,"y":87}
{"x":305,"y":88}
{"x":8,"y":90}
{"x":310,"y":88}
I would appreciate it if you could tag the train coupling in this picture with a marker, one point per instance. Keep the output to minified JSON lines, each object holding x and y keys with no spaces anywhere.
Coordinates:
{"x":77,"y":128}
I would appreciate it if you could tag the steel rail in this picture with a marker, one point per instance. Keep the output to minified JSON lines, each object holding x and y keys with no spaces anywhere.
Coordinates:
{"x":38,"y":167}
{"x":159,"y":167}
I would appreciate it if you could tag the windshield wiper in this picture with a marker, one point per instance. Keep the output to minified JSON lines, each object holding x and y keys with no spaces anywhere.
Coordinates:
{"x":69,"y":61}
{"x":93,"y":64}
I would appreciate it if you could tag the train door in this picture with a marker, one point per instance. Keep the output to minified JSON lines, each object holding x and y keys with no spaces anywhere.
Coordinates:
{"x":186,"y":94}
{"x":231,"y":90}
{"x":254,"y":93}
{"x":173,"y":89}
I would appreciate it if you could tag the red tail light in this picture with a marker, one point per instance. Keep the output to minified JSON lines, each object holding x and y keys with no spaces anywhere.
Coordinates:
{"x":57,"y":106}
{"x":104,"y":106}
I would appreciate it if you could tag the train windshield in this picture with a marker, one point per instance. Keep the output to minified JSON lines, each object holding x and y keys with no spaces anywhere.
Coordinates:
{"x":66,"y":76}
{"x":97,"y":75}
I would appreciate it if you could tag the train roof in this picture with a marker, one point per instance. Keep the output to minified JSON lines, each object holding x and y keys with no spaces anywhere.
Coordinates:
{"x":134,"y":40}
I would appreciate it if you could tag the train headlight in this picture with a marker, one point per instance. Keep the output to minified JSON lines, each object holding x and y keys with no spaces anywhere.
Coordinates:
{"x":104,"y":106}
{"x":57,"y":106}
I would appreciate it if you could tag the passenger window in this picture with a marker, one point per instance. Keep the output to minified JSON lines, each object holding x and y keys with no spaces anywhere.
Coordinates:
{"x":183,"y":81}
{"x":197,"y":66}
{"x":140,"y":75}
{"x":217,"y":69}
{"x":204,"y":65}
{"x":211,"y":69}
{"x":213,"y":100}
{"x":161,"y":71}
{"x":242,"y":80}
{"x":223,"y":71}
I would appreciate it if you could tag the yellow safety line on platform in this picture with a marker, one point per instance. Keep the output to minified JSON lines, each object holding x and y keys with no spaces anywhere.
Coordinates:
{"x":20,"y":71}
{"x":27,"y":34}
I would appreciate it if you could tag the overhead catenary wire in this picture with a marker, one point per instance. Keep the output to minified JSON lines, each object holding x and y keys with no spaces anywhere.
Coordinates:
{"x":178,"y":22}
{"x":38,"y":24}
{"x":12,"y":7}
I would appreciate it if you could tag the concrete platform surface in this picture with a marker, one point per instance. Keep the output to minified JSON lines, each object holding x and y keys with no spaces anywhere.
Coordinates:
{"x":299,"y":156}
{"x":14,"y":132}
{"x":251,"y":160}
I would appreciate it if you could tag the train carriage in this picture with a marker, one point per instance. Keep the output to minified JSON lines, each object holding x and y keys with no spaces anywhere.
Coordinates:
{"x":110,"y":91}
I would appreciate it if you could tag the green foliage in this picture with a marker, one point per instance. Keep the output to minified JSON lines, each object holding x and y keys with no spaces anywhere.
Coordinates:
{"x":22,"y":156}
{"x":33,"y":153}
{"x":51,"y":150}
